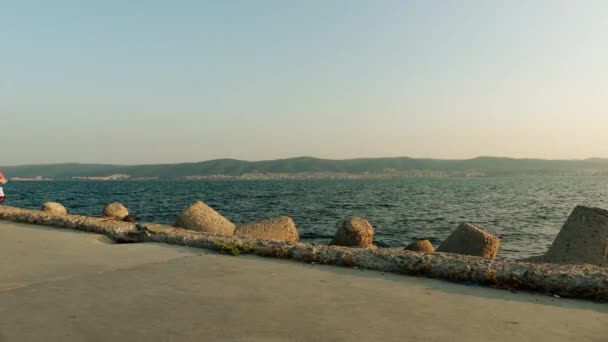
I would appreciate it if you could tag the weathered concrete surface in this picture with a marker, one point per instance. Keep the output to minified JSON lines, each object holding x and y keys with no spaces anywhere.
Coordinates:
{"x":580,"y":281}
{"x":421,"y":246}
{"x":577,"y":281}
{"x":116,"y":230}
{"x":115,"y":211}
{"x":582,"y":240}
{"x":470,"y":240}
{"x":54,"y":208}
{"x":280,"y":228}
{"x":355,"y":231}
{"x":147,"y":292}
{"x":201,"y":217}
{"x":33,"y":254}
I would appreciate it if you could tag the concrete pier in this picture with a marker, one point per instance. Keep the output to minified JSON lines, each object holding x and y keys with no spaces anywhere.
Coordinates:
{"x":58,"y":285}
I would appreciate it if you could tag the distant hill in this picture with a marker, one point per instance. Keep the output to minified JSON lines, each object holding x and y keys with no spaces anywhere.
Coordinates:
{"x":402,"y":166}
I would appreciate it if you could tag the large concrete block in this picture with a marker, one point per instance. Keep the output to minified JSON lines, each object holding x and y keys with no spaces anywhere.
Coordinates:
{"x":470,"y":240}
{"x":583,"y":239}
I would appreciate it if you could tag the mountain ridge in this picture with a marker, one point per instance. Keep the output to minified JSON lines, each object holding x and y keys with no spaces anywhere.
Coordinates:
{"x":483,"y":166}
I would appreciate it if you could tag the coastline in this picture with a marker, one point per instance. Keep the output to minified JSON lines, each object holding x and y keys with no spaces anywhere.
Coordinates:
{"x":298,"y":177}
{"x":71,"y":285}
{"x":376,"y":167}
{"x":576,"y":281}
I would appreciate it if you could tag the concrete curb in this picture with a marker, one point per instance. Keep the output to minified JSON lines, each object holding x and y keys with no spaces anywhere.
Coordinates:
{"x":575,"y":281}
{"x":116,"y":230}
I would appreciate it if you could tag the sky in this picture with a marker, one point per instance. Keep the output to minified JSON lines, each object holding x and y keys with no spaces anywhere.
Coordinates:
{"x":135,"y":82}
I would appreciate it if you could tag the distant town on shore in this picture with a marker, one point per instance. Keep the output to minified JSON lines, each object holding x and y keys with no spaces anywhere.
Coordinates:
{"x":311,"y":168}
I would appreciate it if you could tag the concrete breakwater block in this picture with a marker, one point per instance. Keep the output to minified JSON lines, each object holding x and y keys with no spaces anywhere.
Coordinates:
{"x":470,"y":240}
{"x":355,"y":231}
{"x":281,"y":228}
{"x":582,"y":240}
{"x":54,"y":208}
{"x":424,"y":246}
{"x":115,"y":211}
{"x":201,"y":217}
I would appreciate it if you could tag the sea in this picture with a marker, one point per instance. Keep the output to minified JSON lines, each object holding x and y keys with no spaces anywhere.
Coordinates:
{"x":525,"y":212}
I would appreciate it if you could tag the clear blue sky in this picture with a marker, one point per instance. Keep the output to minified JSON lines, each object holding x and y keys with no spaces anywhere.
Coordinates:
{"x":170,"y":81}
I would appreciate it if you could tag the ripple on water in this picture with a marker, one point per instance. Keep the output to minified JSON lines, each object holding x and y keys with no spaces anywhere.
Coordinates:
{"x":526,"y":212}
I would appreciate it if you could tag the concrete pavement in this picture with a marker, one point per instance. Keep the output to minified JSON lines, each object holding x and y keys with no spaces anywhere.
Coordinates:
{"x":58,"y":285}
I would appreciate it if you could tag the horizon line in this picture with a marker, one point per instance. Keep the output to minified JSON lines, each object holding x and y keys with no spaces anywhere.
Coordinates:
{"x":302,"y":157}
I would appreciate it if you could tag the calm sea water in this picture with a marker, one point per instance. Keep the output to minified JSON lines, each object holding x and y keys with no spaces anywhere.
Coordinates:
{"x":526,"y":212}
